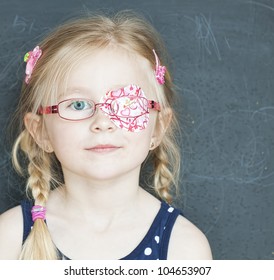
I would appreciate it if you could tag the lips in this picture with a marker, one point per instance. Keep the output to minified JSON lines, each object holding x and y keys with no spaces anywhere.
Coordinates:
{"x":104,"y":148}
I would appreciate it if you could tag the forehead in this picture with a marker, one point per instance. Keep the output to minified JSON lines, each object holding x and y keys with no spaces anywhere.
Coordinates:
{"x":107,"y":69}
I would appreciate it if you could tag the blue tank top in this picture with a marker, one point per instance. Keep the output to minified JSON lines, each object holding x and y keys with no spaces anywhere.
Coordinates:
{"x":154,"y":245}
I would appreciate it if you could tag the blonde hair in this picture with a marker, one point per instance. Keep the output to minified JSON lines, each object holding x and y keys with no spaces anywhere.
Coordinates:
{"x":61,"y":51}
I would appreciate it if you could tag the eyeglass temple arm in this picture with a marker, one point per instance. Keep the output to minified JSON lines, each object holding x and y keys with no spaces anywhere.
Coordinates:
{"x":48,"y":110}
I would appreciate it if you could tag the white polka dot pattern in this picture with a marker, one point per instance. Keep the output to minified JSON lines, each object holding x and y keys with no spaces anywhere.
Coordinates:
{"x":157,"y":239}
{"x":148,"y":251}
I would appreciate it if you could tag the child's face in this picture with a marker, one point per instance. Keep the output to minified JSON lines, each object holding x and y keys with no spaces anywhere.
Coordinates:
{"x":96,"y":148}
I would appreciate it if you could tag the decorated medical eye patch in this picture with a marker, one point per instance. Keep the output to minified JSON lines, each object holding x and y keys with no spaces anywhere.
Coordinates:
{"x":128,"y":107}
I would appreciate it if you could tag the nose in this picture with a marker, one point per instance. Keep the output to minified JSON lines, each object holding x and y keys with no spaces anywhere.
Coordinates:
{"x":101,"y":122}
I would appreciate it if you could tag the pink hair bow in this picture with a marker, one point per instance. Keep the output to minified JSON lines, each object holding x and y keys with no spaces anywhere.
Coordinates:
{"x":31,"y":58}
{"x":159,"y":70}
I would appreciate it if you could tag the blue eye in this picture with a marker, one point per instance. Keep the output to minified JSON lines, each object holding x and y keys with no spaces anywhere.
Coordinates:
{"x":76,"y":109}
{"x":80,"y":105}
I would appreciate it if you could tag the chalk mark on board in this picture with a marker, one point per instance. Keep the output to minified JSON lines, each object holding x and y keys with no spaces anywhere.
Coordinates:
{"x":263,"y":111}
{"x":205,"y":35}
{"x":242,"y":152}
{"x":4,"y":73}
{"x":242,"y":160}
{"x":250,"y":160}
{"x":22,"y":24}
{"x":227,"y":42}
{"x":261,"y":4}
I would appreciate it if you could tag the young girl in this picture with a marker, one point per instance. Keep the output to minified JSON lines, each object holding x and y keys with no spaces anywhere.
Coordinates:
{"x":96,"y":103}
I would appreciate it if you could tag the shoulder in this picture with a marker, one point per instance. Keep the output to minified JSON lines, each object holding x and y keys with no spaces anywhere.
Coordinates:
{"x":11,"y":233}
{"x":188,"y":242}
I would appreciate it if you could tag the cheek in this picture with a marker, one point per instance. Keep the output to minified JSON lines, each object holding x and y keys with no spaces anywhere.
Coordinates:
{"x":62,"y":135}
{"x":143,"y":138}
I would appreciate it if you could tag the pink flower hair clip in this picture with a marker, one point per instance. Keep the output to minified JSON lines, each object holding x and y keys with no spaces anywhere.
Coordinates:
{"x":159,"y":70}
{"x":31,"y":58}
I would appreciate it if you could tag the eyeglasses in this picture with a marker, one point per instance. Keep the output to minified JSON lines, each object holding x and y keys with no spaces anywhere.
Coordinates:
{"x":127,"y":107}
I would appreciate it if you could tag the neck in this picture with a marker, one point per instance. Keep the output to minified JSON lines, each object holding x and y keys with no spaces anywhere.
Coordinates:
{"x":87,"y":198}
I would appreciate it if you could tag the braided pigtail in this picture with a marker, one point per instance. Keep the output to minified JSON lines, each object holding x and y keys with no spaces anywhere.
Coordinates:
{"x":38,"y":245}
{"x":166,"y":159}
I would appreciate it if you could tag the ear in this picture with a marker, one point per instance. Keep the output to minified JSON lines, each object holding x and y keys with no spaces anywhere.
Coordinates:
{"x":163,"y":121}
{"x":34,"y":125}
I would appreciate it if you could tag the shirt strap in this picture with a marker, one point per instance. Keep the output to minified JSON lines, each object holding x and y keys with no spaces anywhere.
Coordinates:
{"x":26,"y":206}
{"x":167,"y":233}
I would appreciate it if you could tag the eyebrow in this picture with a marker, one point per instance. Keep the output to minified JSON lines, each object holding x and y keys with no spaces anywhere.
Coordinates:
{"x":73,"y":89}
{"x":70,"y":91}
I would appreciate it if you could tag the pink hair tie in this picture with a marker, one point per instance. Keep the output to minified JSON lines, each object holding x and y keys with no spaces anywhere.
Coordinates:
{"x":38,"y":212}
{"x":159,"y":70}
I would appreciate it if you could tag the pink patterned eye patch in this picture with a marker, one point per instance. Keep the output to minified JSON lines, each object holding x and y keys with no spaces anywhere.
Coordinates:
{"x":128,"y":108}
